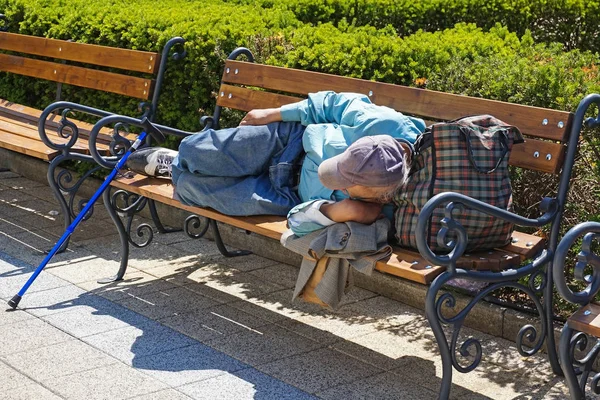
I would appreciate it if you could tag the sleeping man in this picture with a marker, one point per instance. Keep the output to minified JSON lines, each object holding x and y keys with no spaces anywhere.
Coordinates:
{"x":334,"y":157}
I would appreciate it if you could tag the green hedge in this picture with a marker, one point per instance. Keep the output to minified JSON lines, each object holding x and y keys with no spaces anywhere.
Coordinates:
{"x":465,"y":59}
{"x":574,"y":23}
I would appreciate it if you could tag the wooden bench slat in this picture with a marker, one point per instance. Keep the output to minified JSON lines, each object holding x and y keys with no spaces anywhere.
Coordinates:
{"x":18,"y":113}
{"x":247,"y":99}
{"x":89,"y":78}
{"x":425,"y":103}
{"x":521,"y":156}
{"x":404,"y":263}
{"x":129,"y":60}
{"x":589,"y":323}
{"x":30,"y":147}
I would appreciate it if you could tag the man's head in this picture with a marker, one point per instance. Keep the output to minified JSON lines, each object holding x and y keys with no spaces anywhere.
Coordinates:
{"x":372,"y":168}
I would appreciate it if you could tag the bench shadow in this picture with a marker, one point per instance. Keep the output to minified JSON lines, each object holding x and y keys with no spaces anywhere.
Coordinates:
{"x":211,"y":276}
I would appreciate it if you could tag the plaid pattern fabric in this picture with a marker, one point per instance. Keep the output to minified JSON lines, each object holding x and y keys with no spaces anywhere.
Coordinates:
{"x":442,"y":164}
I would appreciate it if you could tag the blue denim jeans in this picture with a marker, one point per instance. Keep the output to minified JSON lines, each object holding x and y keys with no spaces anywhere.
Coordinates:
{"x":248,"y":170}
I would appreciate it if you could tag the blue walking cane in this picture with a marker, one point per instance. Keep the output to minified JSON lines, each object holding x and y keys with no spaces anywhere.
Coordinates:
{"x":149,"y":129}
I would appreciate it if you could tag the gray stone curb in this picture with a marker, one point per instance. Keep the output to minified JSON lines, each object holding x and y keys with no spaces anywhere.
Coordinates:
{"x":485,"y":317}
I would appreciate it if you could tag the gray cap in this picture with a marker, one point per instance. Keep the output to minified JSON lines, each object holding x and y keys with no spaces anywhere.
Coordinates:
{"x":375,"y":161}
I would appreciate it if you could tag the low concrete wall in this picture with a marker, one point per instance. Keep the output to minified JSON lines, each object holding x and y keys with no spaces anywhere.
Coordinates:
{"x":485,"y":317}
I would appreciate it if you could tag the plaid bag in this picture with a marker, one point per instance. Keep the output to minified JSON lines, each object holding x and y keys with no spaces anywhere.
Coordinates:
{"x":468,"y":156}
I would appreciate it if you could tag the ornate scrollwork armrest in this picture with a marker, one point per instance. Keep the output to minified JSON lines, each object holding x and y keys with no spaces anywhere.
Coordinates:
{"x":67,"y":129}
{"x":457,"y":247}
{"x":119,"y":143}
{"x":586,"y":257}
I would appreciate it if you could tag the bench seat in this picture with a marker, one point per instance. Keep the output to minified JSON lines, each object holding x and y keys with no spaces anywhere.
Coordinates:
{"x":404,"y":263}
{"x":19,"y":132}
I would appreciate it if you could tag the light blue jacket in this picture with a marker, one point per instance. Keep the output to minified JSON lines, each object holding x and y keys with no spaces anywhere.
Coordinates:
{"x":333,"y":122}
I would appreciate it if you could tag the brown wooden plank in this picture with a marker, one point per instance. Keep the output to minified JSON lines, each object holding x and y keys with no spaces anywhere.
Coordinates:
{"x":587,"y":319}
{"x":129,"y":60}
{"x":522,"y":155}
{"x":550,"y":156}
{"x":30,"y":147}
{"x":409,"y":265}
{"x":18,"y":113}
{"x":525,"y":245}
{"x":89,"y":78}
{"x":534,"y":121}
{"x":247,"y":99}
{"x":273,"y":226}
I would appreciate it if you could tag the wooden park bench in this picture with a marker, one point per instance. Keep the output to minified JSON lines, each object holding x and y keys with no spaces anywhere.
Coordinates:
{"x":549,"y":149}
{"x":129,"y":73}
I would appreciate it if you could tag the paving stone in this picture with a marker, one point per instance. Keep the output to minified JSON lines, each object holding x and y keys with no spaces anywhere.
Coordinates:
{"x":367,"y":355}
{"x":21,"y":183}
{"x":165,"y":303}
{"x":257,"y":310}
{"x":11,"y":378}
{"x":262,"y":345}
{"x":246,"y":263}
{"x":241,"y":285}
{"x":187,"y":364}
{"x":4,"y":175}
{"x":302,"y":329}
{"x":280,"y":274}
{"x":13,"y":281}
{"x":247,"y":384}
{"x":31,"y":247}
{"x":318,"y":370}
{"x":88,"y":321}
{"x":130,"y":343}
{"x":10,"y":197}
{"x":26,"y":208}
{"x":61,"y":299}
{"x":27,"y":335}
{"x":191,"y":246}
{"x":65,"y":358}
{"x":167,"y":394}
{"x":29,"y":392}
{"x":84,"y":269}
{"x":382,"y":386}
{"x":116,"y":381}
{"x":134,"y":283}
{"x":214,"y":322}
{"x":354,"y":319}
{"x":11,"y":227}
{"x":187,"y":270}
{"x":10,"y":316}
{"x":86,"y":230}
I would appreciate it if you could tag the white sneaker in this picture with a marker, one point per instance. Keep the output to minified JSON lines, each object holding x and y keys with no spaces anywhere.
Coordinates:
{"x":152,"y":161}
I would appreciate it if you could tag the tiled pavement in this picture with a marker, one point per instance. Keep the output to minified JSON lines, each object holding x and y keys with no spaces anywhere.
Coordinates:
{"x":189,"y":323}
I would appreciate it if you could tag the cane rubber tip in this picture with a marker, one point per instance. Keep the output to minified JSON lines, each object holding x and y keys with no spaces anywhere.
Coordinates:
{"x":14,"y":302}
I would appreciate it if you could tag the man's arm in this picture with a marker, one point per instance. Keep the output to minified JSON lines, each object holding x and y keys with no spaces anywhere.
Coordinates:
{"x":317,"y":214}
{"x":320,"y":107}
{"x":262,"y":116}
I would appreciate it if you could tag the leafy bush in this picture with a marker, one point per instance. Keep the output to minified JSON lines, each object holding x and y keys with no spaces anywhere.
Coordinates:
{"x":573,"y":23}
{"x":466,"y":59}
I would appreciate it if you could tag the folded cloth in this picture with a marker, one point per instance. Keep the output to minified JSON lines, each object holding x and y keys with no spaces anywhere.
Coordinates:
{"x":348,"y":244}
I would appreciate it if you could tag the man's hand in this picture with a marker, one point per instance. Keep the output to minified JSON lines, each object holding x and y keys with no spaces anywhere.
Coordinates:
{"x":262,"y":116}
{"x":352,"y":210}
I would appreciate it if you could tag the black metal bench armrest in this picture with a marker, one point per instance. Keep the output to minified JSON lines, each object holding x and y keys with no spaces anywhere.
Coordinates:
{"x":119,"y":144}
{"x":67,"y":129}
{"x":457,"y":247}
{"x":586,"y":257}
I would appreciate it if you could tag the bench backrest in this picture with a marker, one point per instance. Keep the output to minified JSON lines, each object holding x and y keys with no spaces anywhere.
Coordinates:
{"x":246,"y":86}
{"x":83,"y":76}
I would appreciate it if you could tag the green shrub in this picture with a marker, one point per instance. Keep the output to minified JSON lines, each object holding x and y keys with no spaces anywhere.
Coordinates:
{"x":465,"y":59}
{"x":574,"y":23}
